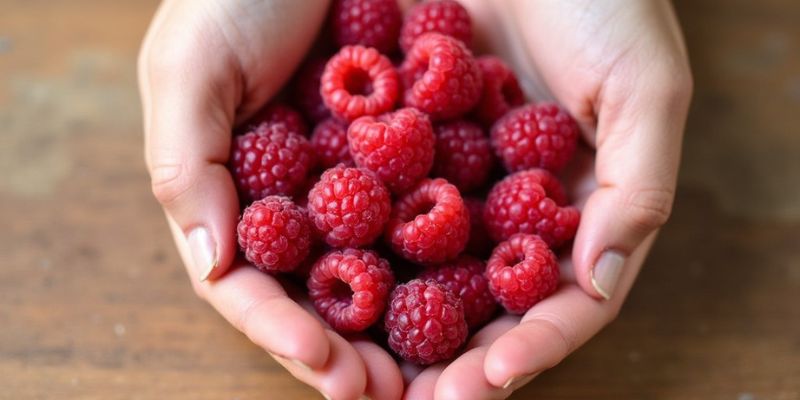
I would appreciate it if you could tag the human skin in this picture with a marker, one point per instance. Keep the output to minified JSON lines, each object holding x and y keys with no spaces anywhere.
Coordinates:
{"x":619,"y":67}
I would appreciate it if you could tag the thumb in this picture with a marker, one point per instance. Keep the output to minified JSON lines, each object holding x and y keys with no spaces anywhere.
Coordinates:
{"x":639,"y":136}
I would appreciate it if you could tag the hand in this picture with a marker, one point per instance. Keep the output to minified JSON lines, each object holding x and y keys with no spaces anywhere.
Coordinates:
{"x":206,"y":66}
{"x":621,"y":69}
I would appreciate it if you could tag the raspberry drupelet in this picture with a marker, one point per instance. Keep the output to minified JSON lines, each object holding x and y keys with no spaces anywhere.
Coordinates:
{"x":372,"y":23}
{"x":274,"y":234}
{"x":535,"y":136}
{"x":501,"y":90}
{"x":531,"y":201}
{"x":521,"y":272}
{"x":463,"y":154}
{"x":271,"y":159}
{"x":279,"y":113}
{"x":359,"y":81}
{"x":350,"y":288}
{"x":349,"y":207}
{"x":397,"y":146}
{"x":464,"y":277}
{"x":329,"y":141}
{"x":429,"y":224}
{"x":479,"y":243}
{"x":440,"y":77}
{"x":447,"y":17}
{"x":425,"y":322}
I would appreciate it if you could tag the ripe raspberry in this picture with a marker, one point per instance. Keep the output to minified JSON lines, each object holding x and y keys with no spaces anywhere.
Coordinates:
{"x":464,"y":277}
{"x":271,"y":159}
{"x":425,"y":322}
{"x":501,"y":91}
{"x":349,"y":207}
{"x":359,"y":81}
{"x":305,"y":90}
{"x":329,"y":141}
{"x":274,"y":234}
{"x":463,"y":155}
{"x":429,"y":224}
{"x":521,"y":272}
{"x":350,"y":288}
{"x":535,"y":136}
{"x":479,"y":243}
{"x":372,"y":23}
{"x":397,"y":146}
{"x":530,"y":202}
{"x":446,"y":17}
{"x":278,"y":113}
{"x":440,"y":77}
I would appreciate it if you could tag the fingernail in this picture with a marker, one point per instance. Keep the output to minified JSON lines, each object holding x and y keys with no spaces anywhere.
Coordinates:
{"x":326,"y":396}
{"x":519,"y":381}
{"x":204,"y":251}
{"x":296,"y":362}
{"x":606,"y":272}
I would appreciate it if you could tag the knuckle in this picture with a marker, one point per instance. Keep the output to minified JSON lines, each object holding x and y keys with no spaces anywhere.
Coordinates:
{"x":169,"y":182}
{"x":649,"y":209}
{"x":558,"y":328}
{"x":248,"y":319}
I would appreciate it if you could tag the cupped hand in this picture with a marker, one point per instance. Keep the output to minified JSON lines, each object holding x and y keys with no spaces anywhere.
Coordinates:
{"x":206,"y":66}
{"x":621,"y":69}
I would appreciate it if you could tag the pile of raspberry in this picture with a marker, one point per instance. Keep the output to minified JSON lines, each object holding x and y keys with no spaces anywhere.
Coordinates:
{"x":397,"y":152}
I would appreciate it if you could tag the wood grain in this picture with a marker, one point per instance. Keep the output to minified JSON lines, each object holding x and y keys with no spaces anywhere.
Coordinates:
{"x":94,"y":303}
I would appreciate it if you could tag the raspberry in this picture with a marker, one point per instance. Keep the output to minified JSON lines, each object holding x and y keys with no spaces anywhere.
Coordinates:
{"x":305,"y":90}
{"x":350,"y":288}
{"x":535,"y":136}
{"x":277,"y":113}
{"x":464,"y":277}
{"x":446,"y":17}
{"x":372,"y":23}
{"x":429,"y":224}
{"x":359,"y":81}
{"x":397,"y":146}
{"x":463,"y":155}
{"x":440,"y":77}
{"x":530,"y":202}
{"x":274,"y":234}
{"x":521,"y":272}
{"x":479,"y":243}
{"x":501,"y":91}
{"x":349,"y":207}
{"x":271,"y":159}
{"x":425,"y":322}
{"x":329,"y":141}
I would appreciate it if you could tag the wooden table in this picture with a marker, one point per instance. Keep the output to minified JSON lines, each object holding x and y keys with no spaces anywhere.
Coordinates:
{"x":94,"y":303}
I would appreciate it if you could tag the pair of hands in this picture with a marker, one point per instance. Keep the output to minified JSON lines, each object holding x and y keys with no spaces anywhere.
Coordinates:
{"x":619,"y":67}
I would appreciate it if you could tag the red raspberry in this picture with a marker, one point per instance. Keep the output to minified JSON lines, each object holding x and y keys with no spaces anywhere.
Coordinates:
{"x":329,"y":141}
{"x":277,"y":113}
{"x":463,"y":155}
{"x":349,"y":207}
{"x":372,"y":23}
{"x":464,"y":277}
{"x":271,"y":159}
{"x":429,"y":224}
{"x":535,"y":136}
{"x":446,"y":17}
{"x":521,"y":272}
{"x":530,"y":202}
{"x":425,"y":322}
{"x":305,"y":90}
{"x":501,"y":91}
{"x":441,"y":77}
{"x":397,"y":146}
{"x":359,"y":81}
{"x":479,"y":243}
{"x":350,"y":288}
{"x":274,"y":234}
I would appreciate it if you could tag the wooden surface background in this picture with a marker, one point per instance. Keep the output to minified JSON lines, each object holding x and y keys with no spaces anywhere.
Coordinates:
{"x":94,"y":303}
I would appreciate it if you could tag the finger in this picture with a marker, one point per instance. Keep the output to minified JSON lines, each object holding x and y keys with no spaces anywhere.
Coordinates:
{"x":384,"y":381}
{"x":423,"y":385}
{"x":257,"y":305}
{"x":555,"y":327}
{"x":464,"y":377}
